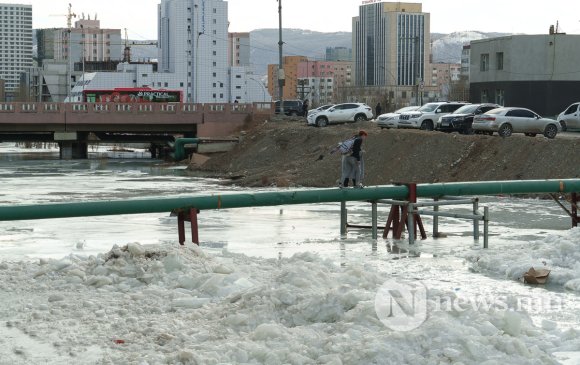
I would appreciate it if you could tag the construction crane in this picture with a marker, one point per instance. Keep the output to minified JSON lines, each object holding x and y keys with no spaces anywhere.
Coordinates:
{"x":69,"y":17}
{"x":127,"y":50}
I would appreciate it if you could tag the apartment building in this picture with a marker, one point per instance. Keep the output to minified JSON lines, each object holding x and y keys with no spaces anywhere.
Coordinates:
{"x":15,"y":47}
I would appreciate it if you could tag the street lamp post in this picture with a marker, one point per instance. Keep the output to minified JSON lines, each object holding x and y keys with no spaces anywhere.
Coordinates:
{"x":83,"y":44}
{"x":261,"y":87}
{"x":281,"y":75}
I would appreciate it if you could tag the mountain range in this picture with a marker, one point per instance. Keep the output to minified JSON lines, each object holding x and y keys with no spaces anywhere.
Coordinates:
{"x":445,"y":47}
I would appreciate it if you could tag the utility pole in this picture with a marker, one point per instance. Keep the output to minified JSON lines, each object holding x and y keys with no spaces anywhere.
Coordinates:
{"x":417,"y":73}
{"x":281,"y":76}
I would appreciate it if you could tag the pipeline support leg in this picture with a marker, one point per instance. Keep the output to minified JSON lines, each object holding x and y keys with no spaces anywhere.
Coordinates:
{"x":485,"y":227}
{"x":374,"y":219}
{"x":575,"y":199}
{"x":194,"y":227}
{"x":411,"y":223}
{"x":436,"y":220}
{"x":181,"y":227}
{"x":343,"y":218}
{"x":476,"y":221}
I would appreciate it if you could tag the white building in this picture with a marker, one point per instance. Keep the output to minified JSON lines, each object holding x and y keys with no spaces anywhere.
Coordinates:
{"x":239,"y":49}
{"x":193,"y":44}
{"x":193,"y":57}
{"x":15,"y":45}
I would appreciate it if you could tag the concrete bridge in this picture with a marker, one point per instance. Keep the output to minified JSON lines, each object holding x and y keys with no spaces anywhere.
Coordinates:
{"x":74,"y":125}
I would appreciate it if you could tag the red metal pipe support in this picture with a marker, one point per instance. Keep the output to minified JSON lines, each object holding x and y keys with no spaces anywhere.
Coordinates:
{"x":192,"y":218}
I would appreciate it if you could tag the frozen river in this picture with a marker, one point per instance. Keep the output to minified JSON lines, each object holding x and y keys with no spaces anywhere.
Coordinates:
{"x":523,"y":233}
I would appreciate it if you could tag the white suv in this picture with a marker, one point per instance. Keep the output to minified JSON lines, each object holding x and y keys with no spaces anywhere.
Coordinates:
{"x":570,"y":118}
{"x":426,"y":116}
{"x":341,"y":113}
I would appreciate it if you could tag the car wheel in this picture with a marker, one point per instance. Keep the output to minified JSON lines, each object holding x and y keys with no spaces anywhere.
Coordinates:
{"x":550,"y":131}
{"x":321,"y":122}
{"x":360,"y":118}
{"x":564,"y":127}
{"x":505,"y":130}
{"x":427,"y":125}
{"x":530,"y":134}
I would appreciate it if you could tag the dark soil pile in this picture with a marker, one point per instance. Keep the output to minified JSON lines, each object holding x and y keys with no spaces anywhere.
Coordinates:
{"x":286,"y":152}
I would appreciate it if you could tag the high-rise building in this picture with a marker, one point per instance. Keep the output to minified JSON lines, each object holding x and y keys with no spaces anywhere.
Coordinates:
{"x":338,"y":54}
{"x":239,"y":49}
{"x":193,"y":45}
{"x":15,"y":46}
{"x":390,"y":44}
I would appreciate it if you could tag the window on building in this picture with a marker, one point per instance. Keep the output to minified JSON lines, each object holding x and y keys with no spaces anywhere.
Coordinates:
{"x":238,"y":87}
{"x":181,"y":84}
{"x":499,"y":99}
{"x":404,"y":94}
{"x":165,"y":84}
{"x":214,"y":74}
{"x":238,"y":76}
{"x":214,"y":42}
{"x":484,"y":66}
{"x":499,"y":61}
{"x":214,"y":53}
{"x":484,"y":97}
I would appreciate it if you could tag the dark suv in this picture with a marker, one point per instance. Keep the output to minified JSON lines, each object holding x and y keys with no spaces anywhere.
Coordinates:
{"x":291,"y":107}
{"x":462,"y":119}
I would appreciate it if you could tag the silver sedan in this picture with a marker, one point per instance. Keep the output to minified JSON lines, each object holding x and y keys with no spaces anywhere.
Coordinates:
{"x":506,"y":121}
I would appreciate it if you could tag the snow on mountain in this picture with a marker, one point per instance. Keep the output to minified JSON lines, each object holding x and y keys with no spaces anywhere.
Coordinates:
{"x":447,"y":47}
{"x":264,"y":42}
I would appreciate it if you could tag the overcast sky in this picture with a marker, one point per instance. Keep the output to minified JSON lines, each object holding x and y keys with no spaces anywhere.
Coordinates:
{"x":140,"y":16}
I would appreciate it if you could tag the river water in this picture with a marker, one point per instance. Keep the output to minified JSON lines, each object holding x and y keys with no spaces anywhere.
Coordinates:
{"x":523,"y":232}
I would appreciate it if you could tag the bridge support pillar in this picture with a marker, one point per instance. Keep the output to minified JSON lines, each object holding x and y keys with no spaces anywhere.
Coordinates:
{"x":73,"y":150}
{"x":72,"y":145}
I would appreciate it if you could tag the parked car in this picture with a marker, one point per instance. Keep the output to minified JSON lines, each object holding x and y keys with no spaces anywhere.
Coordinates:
{"x":462,"y":119}
{"x":506,"y":121}
{"x":391,"y":120}
{"x":570,"y":118}
{"x":319,"y":109}
{"x":341,"y":113}
{"x":291,"y":107}
{"x":426,"y":116}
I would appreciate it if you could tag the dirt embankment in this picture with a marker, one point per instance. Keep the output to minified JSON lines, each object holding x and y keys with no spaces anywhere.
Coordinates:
{"x":289,"y":153}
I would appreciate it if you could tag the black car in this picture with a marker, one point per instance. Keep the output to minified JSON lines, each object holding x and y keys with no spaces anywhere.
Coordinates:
{"x":462,"y":119}
{"x":291,"y":107}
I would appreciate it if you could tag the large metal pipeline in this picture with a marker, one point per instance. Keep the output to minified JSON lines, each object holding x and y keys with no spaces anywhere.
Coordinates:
{"x":306,"y":196}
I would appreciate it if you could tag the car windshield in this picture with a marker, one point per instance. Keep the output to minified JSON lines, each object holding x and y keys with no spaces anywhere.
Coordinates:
{"x":466,"y":109}
{"x":428,"y":107}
